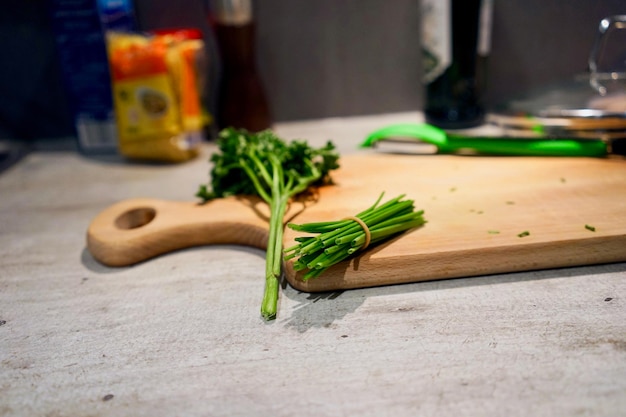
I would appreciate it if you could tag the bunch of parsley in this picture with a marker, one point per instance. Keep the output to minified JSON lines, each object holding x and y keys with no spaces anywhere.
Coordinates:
{"x":264,"y":165}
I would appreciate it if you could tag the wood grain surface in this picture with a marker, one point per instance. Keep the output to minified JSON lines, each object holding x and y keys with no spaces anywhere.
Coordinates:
{"x":476,"y":210}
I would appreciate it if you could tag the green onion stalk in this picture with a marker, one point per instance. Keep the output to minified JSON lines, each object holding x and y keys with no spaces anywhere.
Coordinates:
{"x":338,"y":240}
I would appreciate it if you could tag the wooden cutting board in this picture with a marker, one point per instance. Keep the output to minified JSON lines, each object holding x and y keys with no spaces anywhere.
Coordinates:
{"x":475,"y":207}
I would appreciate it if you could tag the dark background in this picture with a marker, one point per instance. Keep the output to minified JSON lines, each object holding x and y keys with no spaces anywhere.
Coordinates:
{"x":321,"y":58}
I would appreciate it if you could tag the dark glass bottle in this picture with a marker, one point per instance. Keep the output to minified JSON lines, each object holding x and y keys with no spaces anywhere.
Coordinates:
{"x":242,"y":102}
{"x":454,"y":84}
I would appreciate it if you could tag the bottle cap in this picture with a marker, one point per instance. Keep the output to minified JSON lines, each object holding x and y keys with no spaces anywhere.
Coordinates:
{"x":232,"y":12}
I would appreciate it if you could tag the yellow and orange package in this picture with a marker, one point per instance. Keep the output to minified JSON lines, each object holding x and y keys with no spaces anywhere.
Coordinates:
{"x":156,"y":95}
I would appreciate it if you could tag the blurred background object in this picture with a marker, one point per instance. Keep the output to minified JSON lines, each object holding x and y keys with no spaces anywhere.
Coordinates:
{"x":242,"y":101}
{"x":155,"y":84}
{"x":317,"y":59}
{"x":80,"y":28}
{"x":456,"y":38}
{"x":588,"y":104}
{"x":607,"y":61}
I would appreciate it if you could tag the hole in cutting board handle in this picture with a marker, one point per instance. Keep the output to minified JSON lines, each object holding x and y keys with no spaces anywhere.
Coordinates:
{"x":135,"y":218}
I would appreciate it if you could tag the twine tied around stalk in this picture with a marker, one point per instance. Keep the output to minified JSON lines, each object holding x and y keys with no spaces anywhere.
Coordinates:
{"x":368,"y":235}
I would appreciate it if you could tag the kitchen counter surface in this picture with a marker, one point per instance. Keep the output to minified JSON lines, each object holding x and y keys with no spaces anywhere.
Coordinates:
{"x":181,"y":334}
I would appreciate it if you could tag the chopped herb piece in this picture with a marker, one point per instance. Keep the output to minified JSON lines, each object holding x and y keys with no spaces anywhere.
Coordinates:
{"x":524,"y":233}
{"x":591,"y":228}
{"x":493,"y":232}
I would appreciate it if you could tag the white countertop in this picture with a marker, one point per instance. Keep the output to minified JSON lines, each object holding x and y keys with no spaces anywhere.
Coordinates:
{"x":181,"y":334}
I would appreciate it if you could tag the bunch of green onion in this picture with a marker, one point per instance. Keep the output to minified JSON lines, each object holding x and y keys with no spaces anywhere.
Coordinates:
{"x":340,"y":239}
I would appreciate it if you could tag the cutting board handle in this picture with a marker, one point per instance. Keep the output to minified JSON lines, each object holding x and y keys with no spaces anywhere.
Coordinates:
{"x":135,"y":230}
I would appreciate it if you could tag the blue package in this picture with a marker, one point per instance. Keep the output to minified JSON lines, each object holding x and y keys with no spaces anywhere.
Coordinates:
{"x":80,"y":28}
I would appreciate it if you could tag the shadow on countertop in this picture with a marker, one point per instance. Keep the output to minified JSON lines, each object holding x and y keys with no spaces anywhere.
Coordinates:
{"x":310,"y":312}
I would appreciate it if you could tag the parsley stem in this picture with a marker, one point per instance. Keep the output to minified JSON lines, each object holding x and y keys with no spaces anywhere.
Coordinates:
{"x":263,"y":164}
{"x":273,"y":260}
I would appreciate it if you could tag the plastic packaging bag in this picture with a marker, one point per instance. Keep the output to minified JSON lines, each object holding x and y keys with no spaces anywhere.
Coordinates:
{"x":155,"y":92}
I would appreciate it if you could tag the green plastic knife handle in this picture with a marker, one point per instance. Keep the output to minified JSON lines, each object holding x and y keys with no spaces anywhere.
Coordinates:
{"x":527,"y":146}
{"x":419,"y":131}
{"x":511,"y":146}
